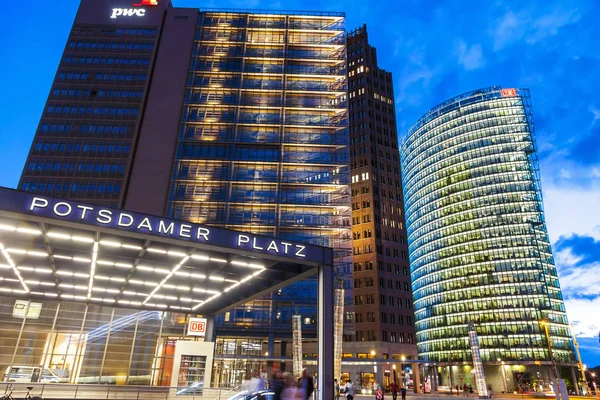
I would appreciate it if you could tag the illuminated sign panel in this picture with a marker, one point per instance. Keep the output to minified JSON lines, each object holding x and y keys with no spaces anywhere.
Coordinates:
{"x":60,"y":209}
{"x":197,"y":327}
{"x":511,"y":92}
{"x":20,"y":308}
{"x":130,"y":12}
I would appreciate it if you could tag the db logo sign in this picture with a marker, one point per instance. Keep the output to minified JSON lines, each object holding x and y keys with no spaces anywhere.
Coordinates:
{"x":130,"y":12}
{"x":197,"y":327}
{"x":508,"y":92}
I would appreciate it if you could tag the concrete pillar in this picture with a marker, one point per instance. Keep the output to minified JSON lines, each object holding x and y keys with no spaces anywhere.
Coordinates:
{"x":416,"y":377}
{"x":325,"y":333}
{"x":574,"y":377}
{"x":210,"y":335}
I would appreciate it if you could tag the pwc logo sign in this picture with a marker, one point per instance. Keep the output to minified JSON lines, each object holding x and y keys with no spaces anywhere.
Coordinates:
{"x":130,"y":12}
{"x":197,"y":327}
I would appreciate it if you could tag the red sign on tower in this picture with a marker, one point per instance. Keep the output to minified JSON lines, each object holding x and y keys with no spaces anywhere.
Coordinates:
{"x":147,"y":3}
{"x":508,"y":92}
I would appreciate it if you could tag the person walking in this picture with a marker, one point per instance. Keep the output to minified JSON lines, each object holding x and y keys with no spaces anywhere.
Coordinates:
{"x":378,"y":391}
{"x":336,"y":389}
{"x":349,"y":391}
{"x":307,"y":384}
{"x":403,"y":391}
{"x":277,"y":385}
{"x":394,"y":390}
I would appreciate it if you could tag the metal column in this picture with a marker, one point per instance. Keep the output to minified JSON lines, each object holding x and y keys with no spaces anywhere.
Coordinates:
{"x":326,"y":337}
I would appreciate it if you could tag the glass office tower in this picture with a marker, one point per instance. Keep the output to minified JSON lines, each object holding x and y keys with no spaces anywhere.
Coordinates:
{"x":263,"y":148}
{"x":478,"y":245}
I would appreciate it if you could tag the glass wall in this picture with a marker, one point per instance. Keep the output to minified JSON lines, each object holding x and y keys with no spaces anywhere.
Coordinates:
{"x":479,"y":249}
{"x":263,"y":143}
{"x":79,"y":343}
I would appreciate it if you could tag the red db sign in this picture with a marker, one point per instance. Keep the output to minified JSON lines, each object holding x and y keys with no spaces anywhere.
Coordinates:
{"x":197,"y":327}
{"x":508,"y":92}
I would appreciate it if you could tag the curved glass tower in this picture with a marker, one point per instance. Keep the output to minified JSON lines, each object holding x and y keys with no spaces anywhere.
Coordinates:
{"x":479,"y":250}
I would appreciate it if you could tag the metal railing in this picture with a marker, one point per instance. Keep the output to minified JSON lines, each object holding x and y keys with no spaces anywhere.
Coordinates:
{"x":59,"y":391}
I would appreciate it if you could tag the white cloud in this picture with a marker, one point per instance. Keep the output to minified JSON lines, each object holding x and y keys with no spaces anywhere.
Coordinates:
{"x":531,"y":25}
{"x":470,"y":57}
{"x":580,"y":281}
{"x":596,"y":113}
{"x":584,"y":316}
{"x":572,"y":211}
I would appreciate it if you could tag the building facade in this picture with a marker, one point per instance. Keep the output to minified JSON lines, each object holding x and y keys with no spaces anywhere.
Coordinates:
{"x":383,"y":313}
{"x":478,"y":245}
{"x":235,"y":119}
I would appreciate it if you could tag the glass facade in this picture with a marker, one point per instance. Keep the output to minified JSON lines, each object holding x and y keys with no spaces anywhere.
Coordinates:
{"x":478,"y":246}
{"x":263,"y":144}
{"x":87,"y":343}
{"x":84,"y":143}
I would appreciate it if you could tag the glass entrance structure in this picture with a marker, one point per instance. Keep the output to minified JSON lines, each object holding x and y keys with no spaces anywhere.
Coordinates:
{"x":479,"y":250}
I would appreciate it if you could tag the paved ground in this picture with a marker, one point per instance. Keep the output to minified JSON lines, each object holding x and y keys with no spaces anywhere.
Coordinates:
{"x":444,"y":396}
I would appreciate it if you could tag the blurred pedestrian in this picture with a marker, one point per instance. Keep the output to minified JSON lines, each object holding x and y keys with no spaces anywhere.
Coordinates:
{"x":349,"y":390}
{"x":307,"y":384}
{"x":276,"y":385}
{"x":403,"y":391}
{"x":394,"y":390}
{"x":336,"y":389}
{"x":290,"y":389}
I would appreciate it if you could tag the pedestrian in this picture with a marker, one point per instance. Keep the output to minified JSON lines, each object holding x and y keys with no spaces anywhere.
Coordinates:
{"x":378,"y":391}
{"x":349,"y":391}
{"x":336,"y":389}
{"x":307,"y":384}
{"x":290,"y":389}
{"x":394,"y":390}
{"x":403,"y":391}
{"x":276,"y":385}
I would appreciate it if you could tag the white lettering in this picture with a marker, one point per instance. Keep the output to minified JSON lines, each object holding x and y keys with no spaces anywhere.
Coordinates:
{"x":255,"y":246}
{"x":38,"y":202}
{"x":166,"y":229}
{"x":300,"y":250}
{"x":128,"y":223}
{"x":202,"y":232}
{"x":145,"y":224}
{"x":285,"y":247}
{"x":116,"y":12}
{"x":128,"y":12}
{"x":184,"y":230}
{"x":62,"y":204}
{"x":243,"y":239}
{"x":273,"y":246}
{"x":84,"y":210}
{"x":105,"y":217}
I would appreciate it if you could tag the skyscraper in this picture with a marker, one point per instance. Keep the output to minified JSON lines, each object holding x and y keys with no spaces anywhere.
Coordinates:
{"x":479,"y":249}
{"x":226,"y":118}
{"x":383,"y":312}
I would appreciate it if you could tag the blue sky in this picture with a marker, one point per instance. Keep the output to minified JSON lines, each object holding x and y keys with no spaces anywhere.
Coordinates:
{"x":436,"y":50}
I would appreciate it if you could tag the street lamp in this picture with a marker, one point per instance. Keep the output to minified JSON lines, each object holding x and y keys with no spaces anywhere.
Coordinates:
{"x":503,"y":375}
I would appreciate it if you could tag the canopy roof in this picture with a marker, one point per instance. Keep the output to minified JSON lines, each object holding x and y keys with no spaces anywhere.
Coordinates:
{"x":52,"y":248}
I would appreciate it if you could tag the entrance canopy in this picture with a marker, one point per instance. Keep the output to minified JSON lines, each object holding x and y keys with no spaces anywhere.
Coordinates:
{"x":54,"y":248}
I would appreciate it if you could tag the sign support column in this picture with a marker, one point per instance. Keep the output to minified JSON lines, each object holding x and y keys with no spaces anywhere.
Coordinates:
{"x":326,"y":337}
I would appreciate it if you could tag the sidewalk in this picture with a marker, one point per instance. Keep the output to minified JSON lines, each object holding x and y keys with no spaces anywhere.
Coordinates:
{"x":440,"y":396}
